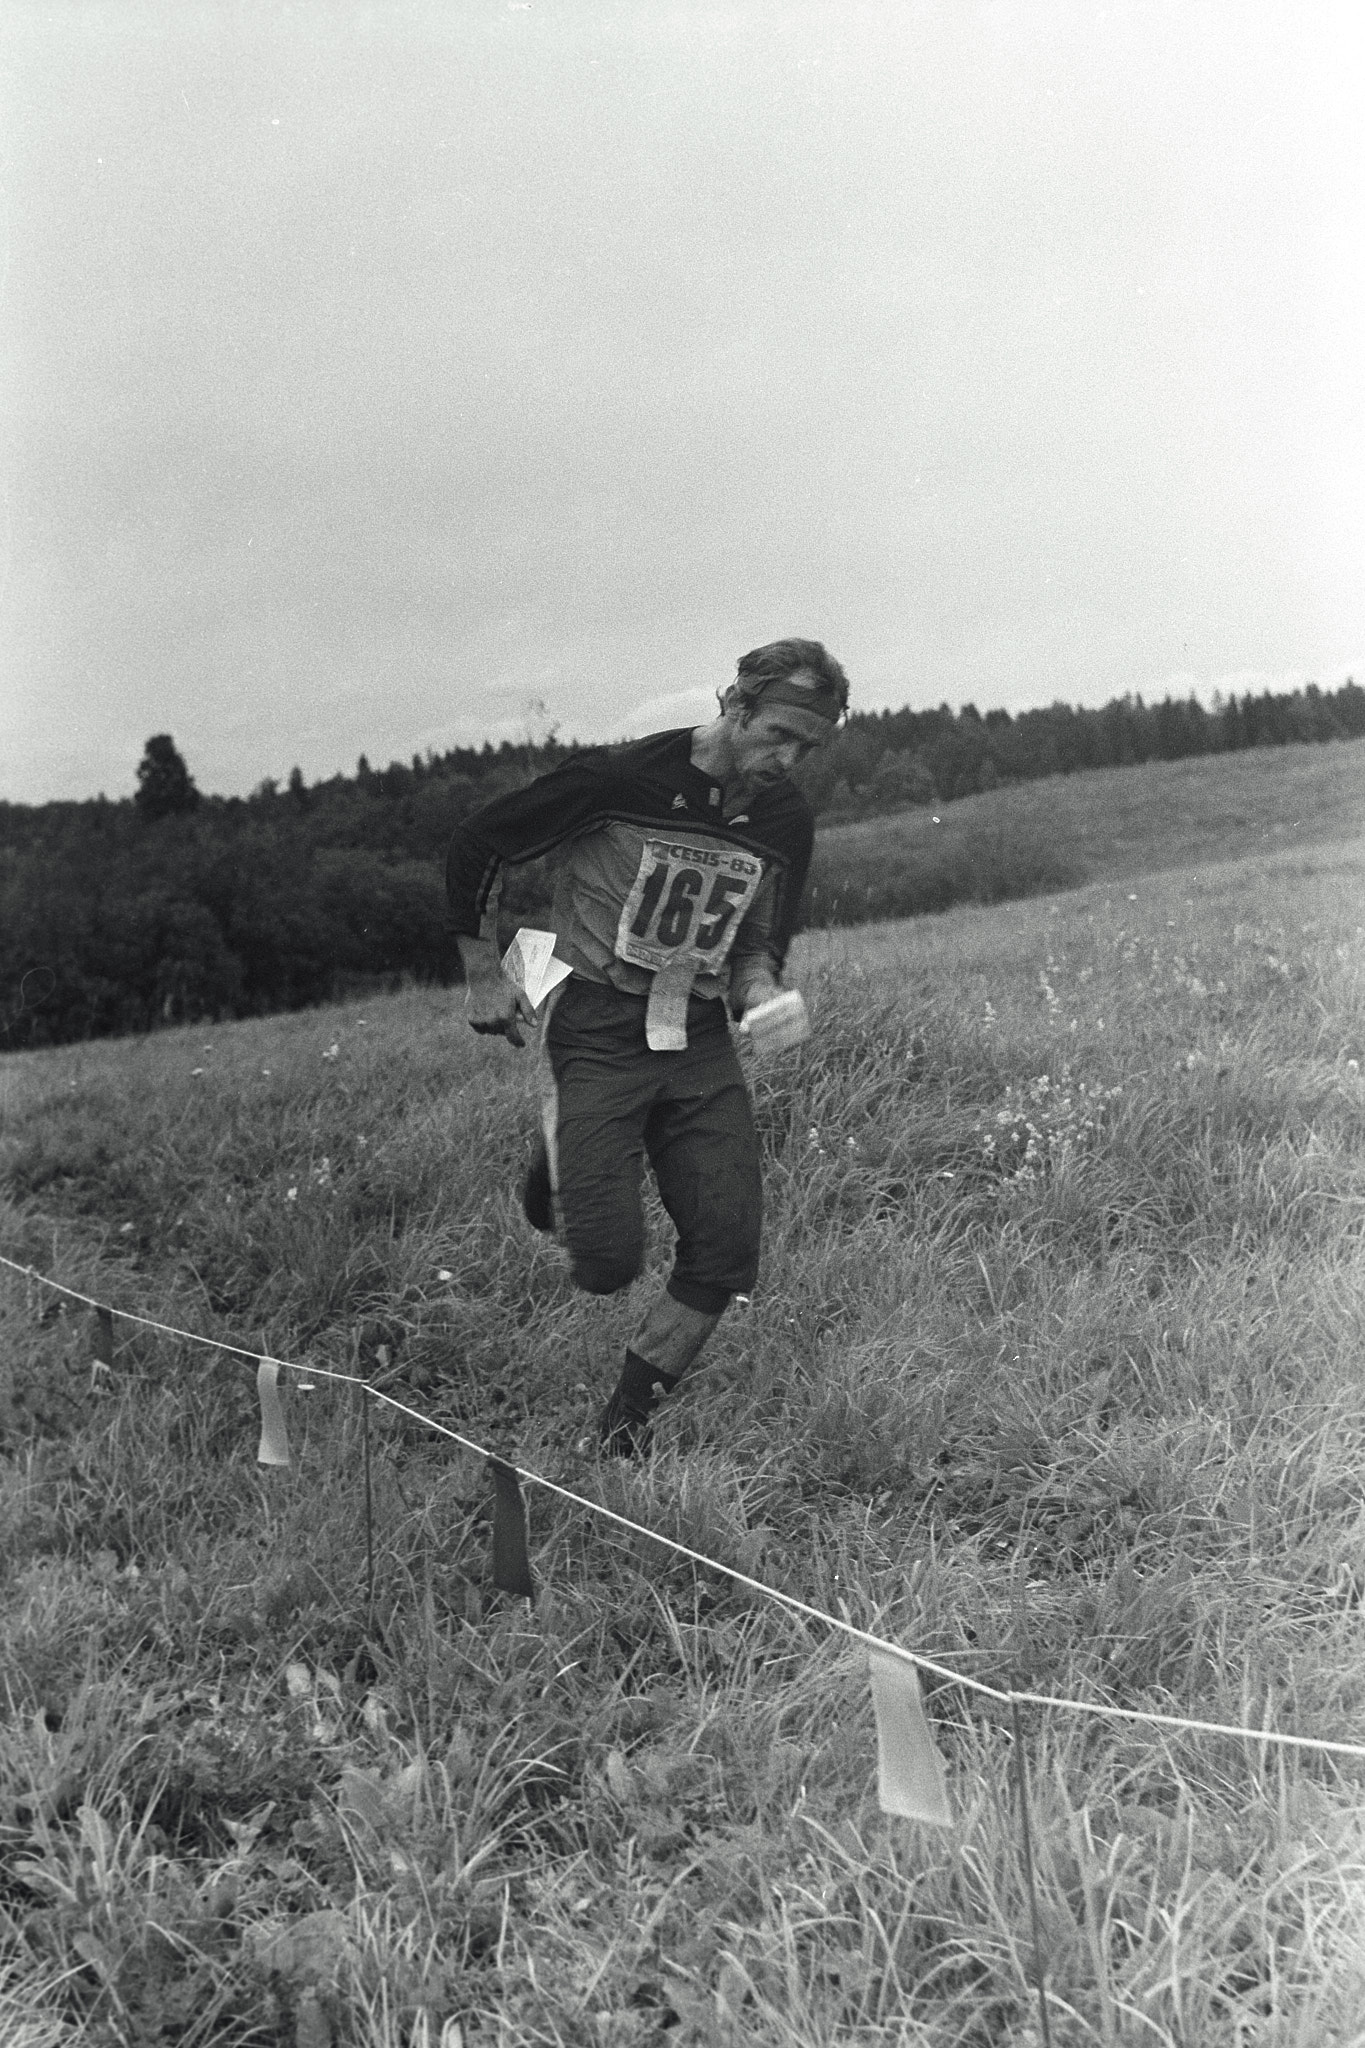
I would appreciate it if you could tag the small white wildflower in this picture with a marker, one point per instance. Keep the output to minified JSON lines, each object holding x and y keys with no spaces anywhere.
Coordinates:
{"x":194,"y":1071}
{"x":291,"y":1195}
{"x":333,"y":1052}
{"x":444,"y":1273}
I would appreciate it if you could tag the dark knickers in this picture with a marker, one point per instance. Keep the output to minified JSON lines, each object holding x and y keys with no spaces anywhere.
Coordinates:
{"x":610,"y":1104}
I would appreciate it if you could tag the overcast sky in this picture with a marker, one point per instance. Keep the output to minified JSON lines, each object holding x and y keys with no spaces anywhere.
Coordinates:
{"x":386,"y":378}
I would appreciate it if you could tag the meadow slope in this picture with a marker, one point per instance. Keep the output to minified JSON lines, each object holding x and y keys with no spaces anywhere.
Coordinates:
{"x":1053,"y":1373}
{"x":1099,"y":826}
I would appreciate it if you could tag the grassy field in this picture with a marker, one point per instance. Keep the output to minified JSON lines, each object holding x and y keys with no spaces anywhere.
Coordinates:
{"x":1053,"y":1374}
{"x":1101,"y":826}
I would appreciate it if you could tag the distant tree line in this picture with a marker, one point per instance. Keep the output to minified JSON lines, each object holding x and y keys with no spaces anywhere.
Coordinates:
{"x":888,"y":759}
{"x":175,"y":906}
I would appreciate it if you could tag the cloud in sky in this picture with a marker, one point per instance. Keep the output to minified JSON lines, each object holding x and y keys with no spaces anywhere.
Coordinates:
{"x":376,"y":376}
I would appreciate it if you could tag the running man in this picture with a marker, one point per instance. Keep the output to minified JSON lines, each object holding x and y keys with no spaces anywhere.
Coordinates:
{"x":681,"y":863}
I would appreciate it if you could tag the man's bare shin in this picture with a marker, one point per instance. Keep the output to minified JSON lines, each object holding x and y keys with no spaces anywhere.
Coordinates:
{"x":673,"y":1335}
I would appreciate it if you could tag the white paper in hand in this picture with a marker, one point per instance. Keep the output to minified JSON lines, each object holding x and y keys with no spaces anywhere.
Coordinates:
{"x":530,"y":964}
{"x":778,"y":1023}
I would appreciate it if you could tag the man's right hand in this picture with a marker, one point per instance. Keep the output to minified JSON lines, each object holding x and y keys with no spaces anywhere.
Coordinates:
{"x":498,"y":1007}
{"x":491,"y":1003}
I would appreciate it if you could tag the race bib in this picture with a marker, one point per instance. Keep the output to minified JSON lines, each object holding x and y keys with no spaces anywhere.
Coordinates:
{"x":685,"y":905}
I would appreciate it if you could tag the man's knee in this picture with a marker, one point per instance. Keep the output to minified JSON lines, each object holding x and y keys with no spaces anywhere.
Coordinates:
{"x":602,"y":1220}
{"x":702,"y":1295}
{"x":711,"y":1265}
{"x":606,"y":1271}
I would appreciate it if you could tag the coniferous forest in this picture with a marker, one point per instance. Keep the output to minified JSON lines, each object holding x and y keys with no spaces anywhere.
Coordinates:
{"x":173,"y":906}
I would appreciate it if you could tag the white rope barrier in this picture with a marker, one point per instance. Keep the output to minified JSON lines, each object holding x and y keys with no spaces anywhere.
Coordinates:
{"x":1010,"y":1698}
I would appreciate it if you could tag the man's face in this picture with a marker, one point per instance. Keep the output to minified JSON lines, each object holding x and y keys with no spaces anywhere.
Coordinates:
{"x":771,"y":743}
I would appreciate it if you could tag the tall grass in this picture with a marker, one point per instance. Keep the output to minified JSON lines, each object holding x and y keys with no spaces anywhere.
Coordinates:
{"x":1053,"y":1372}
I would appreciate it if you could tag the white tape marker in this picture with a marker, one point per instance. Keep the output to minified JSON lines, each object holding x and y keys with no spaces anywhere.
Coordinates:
{"x":274,"y":1444}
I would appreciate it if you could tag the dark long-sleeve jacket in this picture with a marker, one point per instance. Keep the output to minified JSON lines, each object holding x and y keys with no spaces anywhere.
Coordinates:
{"x":656,"y":869}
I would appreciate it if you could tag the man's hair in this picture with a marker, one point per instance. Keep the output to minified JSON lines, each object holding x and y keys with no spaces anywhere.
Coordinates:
{"x":779,"y":661}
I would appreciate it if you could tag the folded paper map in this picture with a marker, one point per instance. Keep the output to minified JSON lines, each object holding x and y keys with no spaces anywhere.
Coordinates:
{"x":530,"y":964}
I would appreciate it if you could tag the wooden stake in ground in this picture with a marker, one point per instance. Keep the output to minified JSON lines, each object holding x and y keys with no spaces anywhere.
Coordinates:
{"x":369,"y":1517}
{"x":1039,"y":1967}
